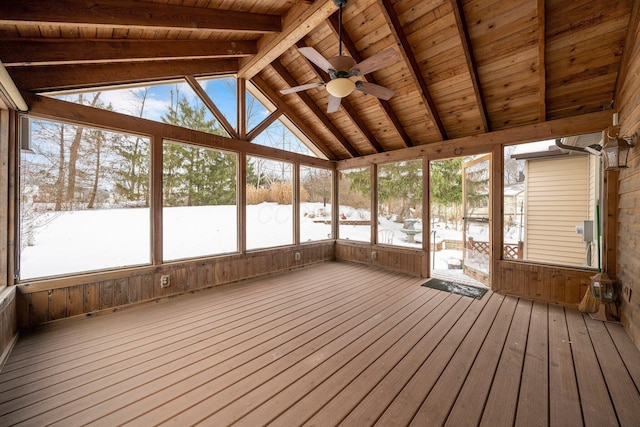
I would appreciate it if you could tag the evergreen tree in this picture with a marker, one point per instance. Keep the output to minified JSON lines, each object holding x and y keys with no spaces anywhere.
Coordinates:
{"x":446,"y":189}
{"x":131,"y":172}
{"x":196,"y":176}
{"x":400,"y":186}
{"x":446,"y":181}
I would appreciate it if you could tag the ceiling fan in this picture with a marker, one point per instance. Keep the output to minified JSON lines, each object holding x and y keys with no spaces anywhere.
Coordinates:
{"x":340,"y":68}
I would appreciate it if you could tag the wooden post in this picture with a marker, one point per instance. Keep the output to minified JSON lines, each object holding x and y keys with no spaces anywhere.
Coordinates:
{"x":242,"y":202}
{"x":296,"y":203}
{"x":374,"y":203}
{"x":426,"y":218}
{"x":610,"y":222}
{"x":156,"y":200}
{"x":242,"y":108}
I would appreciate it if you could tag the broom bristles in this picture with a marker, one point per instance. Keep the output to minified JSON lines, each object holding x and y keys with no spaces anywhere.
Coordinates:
{"x":589,"y":303}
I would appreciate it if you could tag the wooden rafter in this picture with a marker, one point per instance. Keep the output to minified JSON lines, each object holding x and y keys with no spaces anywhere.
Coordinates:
{"x":119,"y":13}
{"x":541,"y":60}
{"x":473,"y":69}
{"x":291,"y":114}
{"x":349,"y":110}
{"x":623,"y":69}
{"x":311,"y":104}
{"x":352,"y":51}
{"x":204,"y":96}
{"x":414,"y":68}
{"x":264,"y":124}
{"x":298,"y":22}
{"x":80,"y":76}
{"x":21,"y":52}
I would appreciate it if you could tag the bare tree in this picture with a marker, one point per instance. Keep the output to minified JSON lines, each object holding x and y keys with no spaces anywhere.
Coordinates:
{"x":73,"y":151}
{"x":99,"y":141}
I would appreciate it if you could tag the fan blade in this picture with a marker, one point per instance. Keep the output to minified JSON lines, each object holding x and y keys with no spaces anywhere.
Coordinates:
{"x":301,"y":88}
{"x":334,"y":104}
{"x":375,"y":90}
{"x":377,"y":61}
{"x":314,"y":56}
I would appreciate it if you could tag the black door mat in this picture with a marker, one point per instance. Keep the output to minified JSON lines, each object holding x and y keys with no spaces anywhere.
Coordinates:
{"x":456,"y":288}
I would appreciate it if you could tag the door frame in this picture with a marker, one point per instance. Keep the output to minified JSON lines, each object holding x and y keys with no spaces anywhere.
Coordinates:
{"x":488,"y":247}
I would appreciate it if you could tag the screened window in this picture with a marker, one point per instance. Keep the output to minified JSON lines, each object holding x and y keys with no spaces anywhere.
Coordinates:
{"x":277,"y":135}
{"x":315,"y":204}
{"x":269,"y":210}
{"x":223,"y":92}
{"x":355,"y":204}
{"x":258,"y":106}
{"x":400,"y":203}
{"x":174,"y":103}
{"x":84,"y":200}
{"x":550,"y":203}
{"x":200,"y":208}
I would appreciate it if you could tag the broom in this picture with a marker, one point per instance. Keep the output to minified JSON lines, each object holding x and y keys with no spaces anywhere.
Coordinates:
{"x":589,"y":303}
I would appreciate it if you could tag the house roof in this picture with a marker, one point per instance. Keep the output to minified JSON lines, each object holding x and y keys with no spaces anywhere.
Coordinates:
{"x":467,"y":67}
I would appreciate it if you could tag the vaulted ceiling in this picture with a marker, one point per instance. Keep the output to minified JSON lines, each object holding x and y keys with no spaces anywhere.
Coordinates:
{"x":467,"y":66}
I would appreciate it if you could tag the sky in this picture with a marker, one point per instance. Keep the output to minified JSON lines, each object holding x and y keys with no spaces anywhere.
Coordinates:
{"x":222,"y":92}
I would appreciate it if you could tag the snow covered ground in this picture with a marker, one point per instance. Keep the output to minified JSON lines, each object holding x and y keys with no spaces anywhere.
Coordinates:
{"x":87,"y":240}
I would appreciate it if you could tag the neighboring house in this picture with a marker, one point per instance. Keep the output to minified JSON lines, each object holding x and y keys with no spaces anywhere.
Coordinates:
{"x":560,"y":193}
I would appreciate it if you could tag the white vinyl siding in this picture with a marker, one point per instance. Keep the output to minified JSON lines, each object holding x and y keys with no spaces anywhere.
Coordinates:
{"x":557,"y":200}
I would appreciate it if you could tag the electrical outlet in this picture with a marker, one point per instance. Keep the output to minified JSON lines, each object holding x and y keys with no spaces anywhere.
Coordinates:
{"x":165,"y":281}
{"x":297,"y":256}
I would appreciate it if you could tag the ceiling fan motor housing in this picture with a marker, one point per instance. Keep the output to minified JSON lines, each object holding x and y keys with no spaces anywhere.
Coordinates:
{"x":341,"y":65}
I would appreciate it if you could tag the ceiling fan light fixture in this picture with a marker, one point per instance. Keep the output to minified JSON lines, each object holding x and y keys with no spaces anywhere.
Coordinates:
{"x":340,"y":87}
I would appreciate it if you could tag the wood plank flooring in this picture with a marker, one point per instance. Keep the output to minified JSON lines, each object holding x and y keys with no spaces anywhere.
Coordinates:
{"x":331,"y":344}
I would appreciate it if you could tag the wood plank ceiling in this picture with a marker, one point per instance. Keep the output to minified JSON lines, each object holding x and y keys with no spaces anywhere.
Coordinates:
{"x":468,"y":66}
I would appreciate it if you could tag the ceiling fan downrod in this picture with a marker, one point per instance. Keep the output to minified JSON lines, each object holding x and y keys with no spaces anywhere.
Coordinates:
{"x":340,"y":4}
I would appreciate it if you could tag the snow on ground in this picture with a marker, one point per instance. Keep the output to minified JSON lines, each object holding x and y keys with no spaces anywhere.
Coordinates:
{"x":80,"y":241}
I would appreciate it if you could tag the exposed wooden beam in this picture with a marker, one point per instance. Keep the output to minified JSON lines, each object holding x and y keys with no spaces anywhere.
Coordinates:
{"x":414,"y":68}
{"x":291,"y":114}
{"x":197,"y":88}
{"x":347,"y":107}
{"x":473,"y":69}
{"x":56,"y":109}
{"x":485,"y":142}
{"x":81,"y":76}
{"x":124,"y":13}
{"x":264,"y":124}
{"x":351,"y":50}
{"x":627,"y":54}
{"x":542,"y":74}
{"x":298,"y":22}
{"x":20,"y":52}
{"x":319,"y":112}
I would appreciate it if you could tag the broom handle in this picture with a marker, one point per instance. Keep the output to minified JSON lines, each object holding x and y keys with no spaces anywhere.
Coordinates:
{"x":598,"y":232}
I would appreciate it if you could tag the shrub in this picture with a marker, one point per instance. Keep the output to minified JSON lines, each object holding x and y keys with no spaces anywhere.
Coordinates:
{"x":279,"y":192}
{"x":256,"y":195}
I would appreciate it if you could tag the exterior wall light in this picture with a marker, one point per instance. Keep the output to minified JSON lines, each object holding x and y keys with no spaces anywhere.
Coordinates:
{"x":616,"y":148}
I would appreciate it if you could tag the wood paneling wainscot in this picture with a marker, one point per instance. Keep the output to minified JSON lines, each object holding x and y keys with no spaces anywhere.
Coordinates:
{"x":556,"y":285}
{"x":396,"y":259}
{"x":8,"y":323}
{"x":55,"y":299}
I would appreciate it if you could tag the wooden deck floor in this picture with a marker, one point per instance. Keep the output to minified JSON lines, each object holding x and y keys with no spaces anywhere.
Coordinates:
{"x":330,"y":344}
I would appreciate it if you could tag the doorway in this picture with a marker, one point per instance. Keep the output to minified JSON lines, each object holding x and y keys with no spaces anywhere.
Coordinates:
{"x":460,"y":219}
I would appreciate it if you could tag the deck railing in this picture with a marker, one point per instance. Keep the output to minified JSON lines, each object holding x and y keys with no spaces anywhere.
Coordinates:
{"x":509,"y":250}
